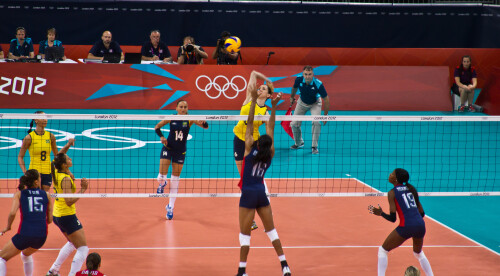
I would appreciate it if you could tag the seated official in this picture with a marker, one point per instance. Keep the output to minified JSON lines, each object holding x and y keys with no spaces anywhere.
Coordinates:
{"x":49,"y":42}
{"x":155,"y":49}
{"x":105,"y":46}
{"x":190,"y":53}
{"x":21,"y":46}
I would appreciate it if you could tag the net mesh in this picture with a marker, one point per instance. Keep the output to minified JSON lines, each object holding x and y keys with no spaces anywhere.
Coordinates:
{"x":120,"y":154}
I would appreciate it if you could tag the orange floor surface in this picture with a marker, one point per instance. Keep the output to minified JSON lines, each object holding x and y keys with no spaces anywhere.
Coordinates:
{"x":321,"y":236}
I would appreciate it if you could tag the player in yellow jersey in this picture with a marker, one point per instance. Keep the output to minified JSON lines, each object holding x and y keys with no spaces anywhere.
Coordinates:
{"x":65,"y":215}
{"x":40,"y":143}
{"x":264,"y":92}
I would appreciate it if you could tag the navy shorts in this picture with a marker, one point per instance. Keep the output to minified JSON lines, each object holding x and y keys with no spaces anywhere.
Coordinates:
{"x":46,"y":179}
{"x":174,"y":156}
{"x":68,"y":224}
{"x":22,"y":242}
{"x":412,"y":231}
{"x":253,"y":199}
{"x":239,"y":148}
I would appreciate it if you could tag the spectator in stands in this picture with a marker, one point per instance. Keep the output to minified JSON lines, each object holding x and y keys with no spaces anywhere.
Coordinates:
{"x":21,"y":46}
{"x":1,"y":52}
{"x":104,"y":46}
{"x":51,"y":41}
{"x":312,"y":92}
{"x":466,"y":80}
{"x":221,"y":54}
{"x":155,"y":49}
{"x":412,"y":271}
{"x":190,"y":53}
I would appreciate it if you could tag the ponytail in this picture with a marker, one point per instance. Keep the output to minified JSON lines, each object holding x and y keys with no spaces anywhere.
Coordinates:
{"x":28,"y":179}
{"x":93,"y":262}
{"x":264,"y":149}
{"x":413,"y":190}
{"x":59,"y":160}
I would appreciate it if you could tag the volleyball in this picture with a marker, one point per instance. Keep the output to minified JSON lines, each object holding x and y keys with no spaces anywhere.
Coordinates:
{"x":232,"y":44}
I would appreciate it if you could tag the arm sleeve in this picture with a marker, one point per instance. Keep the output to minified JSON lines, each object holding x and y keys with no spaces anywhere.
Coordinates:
{"x":474,"y":74}
{"x":93,"y":50}
{"x":117,"y":47}
{"x":179,"y":52}
{"x":456,"y":73}
{"x":166,"y":51}
{"x":12,"y":46}
{"x":391,"y":217}
{"x":30,"y":43}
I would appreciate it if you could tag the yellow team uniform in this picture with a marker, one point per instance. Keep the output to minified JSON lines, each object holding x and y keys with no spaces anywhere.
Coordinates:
{"x":60,"y":206}
{"x":39,"y":150}
{"x":241,"y":128}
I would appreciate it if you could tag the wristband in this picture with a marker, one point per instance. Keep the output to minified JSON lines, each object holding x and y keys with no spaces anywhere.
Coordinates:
{"x":158,"y":132}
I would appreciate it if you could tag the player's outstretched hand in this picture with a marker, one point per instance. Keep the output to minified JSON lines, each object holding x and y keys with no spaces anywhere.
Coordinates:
{"x":164,"y":141}
{"x":276,"y":99}
{"x":374,"y":210}
{"x":4,"y":230}
{"x":84,"y":184}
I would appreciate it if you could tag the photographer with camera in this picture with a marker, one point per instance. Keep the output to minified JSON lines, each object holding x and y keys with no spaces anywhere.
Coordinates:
{"x":190,"y":53}
{"x":221,"y":54}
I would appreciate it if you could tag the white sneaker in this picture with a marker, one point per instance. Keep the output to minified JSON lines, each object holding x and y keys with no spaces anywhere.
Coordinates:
{"x":170,"y":212}
{"x":286,"y":271}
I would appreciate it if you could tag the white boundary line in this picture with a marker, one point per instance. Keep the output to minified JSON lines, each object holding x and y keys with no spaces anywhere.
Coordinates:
{"x":261,"y":247}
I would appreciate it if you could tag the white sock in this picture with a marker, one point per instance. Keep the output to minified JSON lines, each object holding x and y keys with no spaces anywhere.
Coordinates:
{"x":174,"y":187}
{"x":424,"y":263}
{"x":28,"y":264}
{"x":64,"y":253}
{"x":79,"y":259}
{"x":3,"y":267}
{"x":243,"y":264}
{"x":162,"y":179}
{"x":382,"y":261}
{"x":282,"y":257}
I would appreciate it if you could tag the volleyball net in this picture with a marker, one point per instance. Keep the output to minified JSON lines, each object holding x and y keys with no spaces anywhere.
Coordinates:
{"x":120,"y":154}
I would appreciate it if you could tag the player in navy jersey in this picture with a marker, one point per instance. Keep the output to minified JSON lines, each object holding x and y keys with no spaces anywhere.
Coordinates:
{"x":36,"y":214}
{"x":403,"y":199}
{"x":174,"y":151}
{"x":257,"y":159}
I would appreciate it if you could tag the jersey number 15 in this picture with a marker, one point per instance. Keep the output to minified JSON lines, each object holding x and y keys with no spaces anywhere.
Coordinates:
{"x":35,"y":203}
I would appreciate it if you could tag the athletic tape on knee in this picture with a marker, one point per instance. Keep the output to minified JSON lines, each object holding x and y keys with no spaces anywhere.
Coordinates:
{"x":420,"y":255}
{"x":273,"y":235}
{"x":244,"y":240}
{"x":26,"y":259}
{"x":382,"y":252}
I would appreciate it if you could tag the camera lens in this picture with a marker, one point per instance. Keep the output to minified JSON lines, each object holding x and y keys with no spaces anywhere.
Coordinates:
{"x":189,"y":48}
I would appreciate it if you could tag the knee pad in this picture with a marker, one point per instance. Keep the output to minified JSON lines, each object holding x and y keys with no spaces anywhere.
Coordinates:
{"x":244,"y":240}
{"x":420,"y":255}
{"x":382,"y":252}
{"x":273,"y":235}
{"x":26,"y":259}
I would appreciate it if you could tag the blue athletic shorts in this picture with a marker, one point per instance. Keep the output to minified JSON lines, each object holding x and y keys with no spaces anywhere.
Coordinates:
{"x":68,"y":224}
{"x":22,"y":242}
{"x":239,"y":148}
{"x":46,"y":179}
{"x":174,"y":156}
{"x":253,"y":199}
{"x":412,"y":231}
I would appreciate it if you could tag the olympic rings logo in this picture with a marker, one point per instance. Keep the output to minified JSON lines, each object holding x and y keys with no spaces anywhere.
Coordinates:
{"x":93,"y":134}
{"x":219,"y":88}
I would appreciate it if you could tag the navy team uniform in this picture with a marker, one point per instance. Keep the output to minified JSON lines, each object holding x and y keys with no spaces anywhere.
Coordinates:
{"x":33,"y":227}
{"x":176,"y":142}
{"x":411,"y":223}
{"x":253,"y":191}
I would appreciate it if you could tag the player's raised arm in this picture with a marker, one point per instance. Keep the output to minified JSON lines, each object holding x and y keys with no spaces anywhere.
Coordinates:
{"x":249,"y":131}
{"x":252,"y":84}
